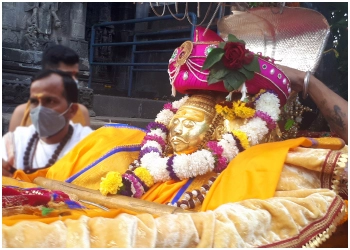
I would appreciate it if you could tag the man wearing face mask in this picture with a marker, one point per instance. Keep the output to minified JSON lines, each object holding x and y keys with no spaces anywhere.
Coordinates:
{"x":56,"y":57}
{"x":53,"y":103}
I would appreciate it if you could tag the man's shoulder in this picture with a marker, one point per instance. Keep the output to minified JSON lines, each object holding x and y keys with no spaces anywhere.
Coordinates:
{"x":81,"y":131}
{"x":28,"y":130}
{"x":20,"y":109}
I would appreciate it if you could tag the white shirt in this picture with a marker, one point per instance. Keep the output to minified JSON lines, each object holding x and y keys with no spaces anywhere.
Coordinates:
{"x":44,"y":151}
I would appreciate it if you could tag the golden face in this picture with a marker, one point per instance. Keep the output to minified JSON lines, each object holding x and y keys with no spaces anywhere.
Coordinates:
{"x":187,"y":129}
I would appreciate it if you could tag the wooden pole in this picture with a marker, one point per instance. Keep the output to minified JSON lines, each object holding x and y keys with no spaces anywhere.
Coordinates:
{"x":110,"y":201}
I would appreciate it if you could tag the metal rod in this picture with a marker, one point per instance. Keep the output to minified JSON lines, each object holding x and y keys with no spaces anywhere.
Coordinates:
{"x":153,"y":70}
{"x":164,"y":32}
{"x":194,"y":21}
{"x":142,"y":43}
{"x":154,"y":51}
{"x":129,"y":64}
{"x":132,"y":67}
{"x":94,"y":204}
{"x":147,"y":19}
{"x":91,"y":59}
{"x":221,"y":11}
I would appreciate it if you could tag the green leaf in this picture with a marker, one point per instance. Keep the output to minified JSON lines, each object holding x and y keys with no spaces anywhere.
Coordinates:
{"x":212,"y":79}
{"x":228,"y":86}
{"x":232,"y":38}
{"x":46,"y":210}
{"x":221,"y":45}
{"x":214,"y":56}
{"x":253,"y":66}
{"x":248,"y":74}
{"x":217,"y":72}
{"x":288,"y":124}
{"x":235,"y":79}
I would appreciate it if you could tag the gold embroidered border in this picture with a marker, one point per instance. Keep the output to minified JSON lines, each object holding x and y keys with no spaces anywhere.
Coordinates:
{"x":328,"y":169}
{"x":323,"y":226}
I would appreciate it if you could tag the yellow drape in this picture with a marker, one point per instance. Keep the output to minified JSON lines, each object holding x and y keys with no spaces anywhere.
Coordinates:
{"x":254,"y":173}
{"x":104,"y":149}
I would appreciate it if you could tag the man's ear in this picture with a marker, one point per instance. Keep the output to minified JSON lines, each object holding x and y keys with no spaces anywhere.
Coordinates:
{"x":72,"y":110}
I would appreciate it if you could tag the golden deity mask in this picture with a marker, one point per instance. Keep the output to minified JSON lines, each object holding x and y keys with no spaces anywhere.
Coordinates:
{"x":191,"y":123}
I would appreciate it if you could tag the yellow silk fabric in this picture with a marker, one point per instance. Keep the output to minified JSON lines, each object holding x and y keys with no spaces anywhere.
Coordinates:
{"x":163,"y":192}
{"x":77,"y":118}
{"x":254,"y":173}
{"x":106,"y":149}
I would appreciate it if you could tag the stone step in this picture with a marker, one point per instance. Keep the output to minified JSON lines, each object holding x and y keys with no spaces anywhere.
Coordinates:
{"x":99,"y":121}
{"x":116,"y":106}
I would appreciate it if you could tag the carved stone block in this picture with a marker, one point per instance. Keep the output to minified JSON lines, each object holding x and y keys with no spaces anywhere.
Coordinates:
{"x":8,"y":15}
{"x":16,"y":55}
{"x":79,"y":46}
{"x":10,"y":38}
{"x":84,"y":66}
{"x":78,"y":30}
{"x":86,"y":96}
{"x":15,"y":92}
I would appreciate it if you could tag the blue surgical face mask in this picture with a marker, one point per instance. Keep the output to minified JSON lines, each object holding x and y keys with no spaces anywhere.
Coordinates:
{"x":46,"y":121}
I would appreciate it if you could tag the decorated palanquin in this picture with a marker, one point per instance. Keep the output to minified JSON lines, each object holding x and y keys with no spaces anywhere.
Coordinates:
{"x":211,"y":171}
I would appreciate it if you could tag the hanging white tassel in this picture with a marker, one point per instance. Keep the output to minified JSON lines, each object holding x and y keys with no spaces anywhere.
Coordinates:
{"x":173,"y":90}
{"x":172,"y":79}
{"x":229,"y":96}
{"x":244,"y":91}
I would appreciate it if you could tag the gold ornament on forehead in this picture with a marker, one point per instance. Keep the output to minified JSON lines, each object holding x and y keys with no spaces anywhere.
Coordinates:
{"x":185,"y":52}
{"x":202,"y":102}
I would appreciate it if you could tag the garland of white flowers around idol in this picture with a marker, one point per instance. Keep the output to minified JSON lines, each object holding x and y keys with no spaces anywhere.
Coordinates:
{"x":152,"y":166}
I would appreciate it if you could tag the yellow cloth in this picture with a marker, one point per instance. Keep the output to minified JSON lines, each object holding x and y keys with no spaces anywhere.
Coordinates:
{"x":245,"y":223}
{"x":110,"y":148}
{"x":77,"y":118}
{"x":254,"y":173}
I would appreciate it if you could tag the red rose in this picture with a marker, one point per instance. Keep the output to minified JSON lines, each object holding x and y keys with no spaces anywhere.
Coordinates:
{"x":236,"y":55}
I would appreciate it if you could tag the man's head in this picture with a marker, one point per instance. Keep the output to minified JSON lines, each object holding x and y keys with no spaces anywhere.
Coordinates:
{"x":61,"y":58}
{"x":191,"y":122}
{"x":53,"y":101}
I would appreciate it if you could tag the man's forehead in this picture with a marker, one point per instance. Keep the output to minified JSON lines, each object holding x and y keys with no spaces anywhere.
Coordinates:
{"x":73,"y":68}
{"x":52,"y":84}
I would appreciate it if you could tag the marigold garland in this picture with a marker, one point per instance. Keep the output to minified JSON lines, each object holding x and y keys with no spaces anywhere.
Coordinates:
{"x":243,"y":139}
{"x":111,"y":183}
{"x":242,"y":111}
{"x":225,"y":111}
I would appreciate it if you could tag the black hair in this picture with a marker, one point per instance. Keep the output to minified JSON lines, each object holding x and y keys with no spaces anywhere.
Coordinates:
{"x":70,"y":88}
{"x":56,"y":54}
